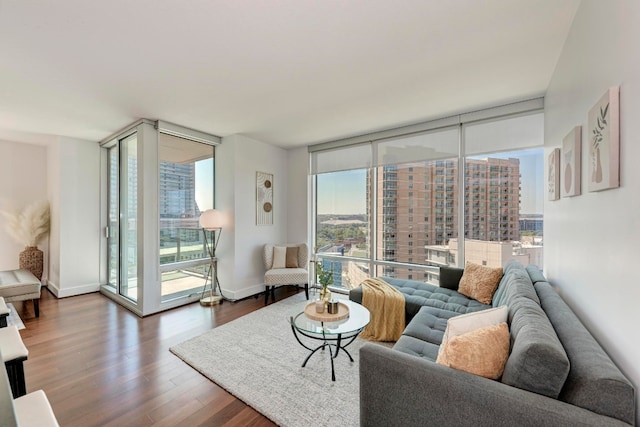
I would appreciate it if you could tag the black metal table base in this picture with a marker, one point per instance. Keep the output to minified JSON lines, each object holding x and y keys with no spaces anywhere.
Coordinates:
{"x":332,"y":341}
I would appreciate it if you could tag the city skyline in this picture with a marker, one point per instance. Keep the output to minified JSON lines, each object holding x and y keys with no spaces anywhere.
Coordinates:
{"x":347,"y":189}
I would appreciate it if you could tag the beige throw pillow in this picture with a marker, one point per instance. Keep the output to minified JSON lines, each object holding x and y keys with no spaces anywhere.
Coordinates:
{"x":279,"y":257}
{"x":480,"y":282}
{"x":482,"y":352}
{"x":292,"y":257}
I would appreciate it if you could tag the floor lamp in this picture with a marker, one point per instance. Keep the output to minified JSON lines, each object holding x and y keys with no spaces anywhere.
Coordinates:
{"x":210,"y":222}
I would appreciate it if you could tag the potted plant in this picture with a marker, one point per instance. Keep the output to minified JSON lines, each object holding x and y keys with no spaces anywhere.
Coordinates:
{"x":325,"y":278}
{"x":28,"y":228}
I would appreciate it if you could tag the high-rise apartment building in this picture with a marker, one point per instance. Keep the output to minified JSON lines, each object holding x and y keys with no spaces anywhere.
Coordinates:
{"x":418,"y":206}
{"x":177,"y":191}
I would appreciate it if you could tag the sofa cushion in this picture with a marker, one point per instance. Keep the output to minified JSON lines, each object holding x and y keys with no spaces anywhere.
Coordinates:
{"x":417,"y":347}
{"x":429,"y":324}
{"x":538,"y":362}
{"x":482,"y":352}
{"x":479,"y":282}
{"x":594,"y":381}
{"x":535,"y":274}
{"x":512,"y":264}
{"x":419,"y":294}
{"x":514,"y":284}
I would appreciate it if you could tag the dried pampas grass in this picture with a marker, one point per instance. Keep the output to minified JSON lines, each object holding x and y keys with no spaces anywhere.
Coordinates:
{"x":29,"y":226}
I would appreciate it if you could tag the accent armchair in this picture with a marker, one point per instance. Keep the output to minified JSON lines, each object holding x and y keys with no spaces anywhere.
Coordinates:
{"x":286,"y":264}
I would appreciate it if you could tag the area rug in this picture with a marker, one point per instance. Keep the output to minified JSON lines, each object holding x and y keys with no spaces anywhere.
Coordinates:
{"x":14,"y":318}
{"x":257,"y":359}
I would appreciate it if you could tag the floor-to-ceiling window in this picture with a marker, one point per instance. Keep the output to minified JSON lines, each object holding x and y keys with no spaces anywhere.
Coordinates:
{"x":342,"y":220}
{"x":504,"y":191}
{"x":159,"y":178}
{"x":481,"y":178}
{"x":416,"y":207}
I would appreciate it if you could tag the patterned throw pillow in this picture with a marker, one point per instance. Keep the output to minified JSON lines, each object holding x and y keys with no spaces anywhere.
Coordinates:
{"x":482,"y":352}
{"x":480,"y":282}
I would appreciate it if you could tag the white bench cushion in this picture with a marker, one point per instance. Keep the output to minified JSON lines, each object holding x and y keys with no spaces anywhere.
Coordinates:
{"x":18,"y":285}
{"x":11,"y":344}
{"x":34,"y":410}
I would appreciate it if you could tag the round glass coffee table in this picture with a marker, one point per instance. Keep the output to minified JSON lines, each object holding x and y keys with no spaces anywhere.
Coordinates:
{"x":335,"y":336}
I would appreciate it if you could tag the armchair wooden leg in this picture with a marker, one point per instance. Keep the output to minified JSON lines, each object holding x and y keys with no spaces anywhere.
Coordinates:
{"x":266,"y":295}
{"x":306,"y":290}
{"x":36,"y":307}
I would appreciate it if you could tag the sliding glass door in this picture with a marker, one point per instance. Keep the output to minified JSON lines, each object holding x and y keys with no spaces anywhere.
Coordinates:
{"x":121,"y":231}
{"x":158,"y":179}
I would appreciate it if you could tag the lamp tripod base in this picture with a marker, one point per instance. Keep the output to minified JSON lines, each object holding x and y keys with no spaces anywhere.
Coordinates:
{"x":211,"y":300}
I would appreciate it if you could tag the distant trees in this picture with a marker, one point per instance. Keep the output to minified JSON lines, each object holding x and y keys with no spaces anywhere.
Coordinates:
{"x":335,"y":235}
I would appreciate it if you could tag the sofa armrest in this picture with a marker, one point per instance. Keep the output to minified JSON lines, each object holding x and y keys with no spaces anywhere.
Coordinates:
{"x":397,"y":388}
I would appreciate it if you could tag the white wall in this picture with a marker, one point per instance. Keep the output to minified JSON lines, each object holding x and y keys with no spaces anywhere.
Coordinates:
{"x":238,"y":158}
{"x":591,"y":241}
{"x":74,"y":194}
{"x":23,"y":180}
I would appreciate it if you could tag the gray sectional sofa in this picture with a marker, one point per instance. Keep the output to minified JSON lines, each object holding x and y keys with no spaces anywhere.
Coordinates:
{"x":556,"y":373}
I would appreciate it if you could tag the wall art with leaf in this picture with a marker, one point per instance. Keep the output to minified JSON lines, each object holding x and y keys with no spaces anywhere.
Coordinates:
{"x":603,"y":141}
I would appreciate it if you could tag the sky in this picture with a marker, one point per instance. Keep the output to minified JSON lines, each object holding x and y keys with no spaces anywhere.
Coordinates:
{"x":342,"y":192}
{"x":345,"y":192}
{"x":204,"y":184}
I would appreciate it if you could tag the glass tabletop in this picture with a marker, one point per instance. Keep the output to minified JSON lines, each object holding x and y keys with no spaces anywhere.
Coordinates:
{"x":358,"y":318}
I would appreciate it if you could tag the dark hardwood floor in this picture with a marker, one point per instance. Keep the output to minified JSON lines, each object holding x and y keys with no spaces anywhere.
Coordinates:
{"x":101,"y":365}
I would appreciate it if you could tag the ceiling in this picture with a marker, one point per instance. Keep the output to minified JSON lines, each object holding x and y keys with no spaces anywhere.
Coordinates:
{"x":285,"y":72}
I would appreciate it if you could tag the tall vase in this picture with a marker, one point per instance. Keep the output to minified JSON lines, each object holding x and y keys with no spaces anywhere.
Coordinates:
{"x":32,"y":259}
{"x":596,"y":175}
{"x":598,"y":166}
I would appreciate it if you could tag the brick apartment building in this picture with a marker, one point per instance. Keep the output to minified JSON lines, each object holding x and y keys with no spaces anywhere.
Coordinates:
{"x":418,"y":208}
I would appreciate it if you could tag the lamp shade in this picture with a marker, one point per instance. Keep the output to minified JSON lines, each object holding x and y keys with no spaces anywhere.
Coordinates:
{"x":211,"y":219}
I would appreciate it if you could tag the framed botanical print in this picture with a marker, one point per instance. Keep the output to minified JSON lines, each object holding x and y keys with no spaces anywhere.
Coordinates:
{"x":604,"y":142}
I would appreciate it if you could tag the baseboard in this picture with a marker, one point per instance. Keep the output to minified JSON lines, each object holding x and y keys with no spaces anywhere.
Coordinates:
{"x":247,"y":292}
{"x":69,"y":292}
{"x":243,"y":293}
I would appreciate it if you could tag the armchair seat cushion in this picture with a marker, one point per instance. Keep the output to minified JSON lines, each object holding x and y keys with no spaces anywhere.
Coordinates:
{"x":289,"y":276}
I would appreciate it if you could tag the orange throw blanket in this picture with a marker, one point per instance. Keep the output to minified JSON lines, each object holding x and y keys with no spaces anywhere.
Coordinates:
{"x":386,"y":305}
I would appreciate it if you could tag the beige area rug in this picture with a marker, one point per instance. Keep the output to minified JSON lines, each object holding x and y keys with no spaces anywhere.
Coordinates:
{"x":14,"y":317}
{"x":257,"y":359}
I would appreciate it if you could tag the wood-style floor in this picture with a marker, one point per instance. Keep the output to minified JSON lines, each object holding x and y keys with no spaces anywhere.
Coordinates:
{"x":101,"y":365}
